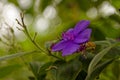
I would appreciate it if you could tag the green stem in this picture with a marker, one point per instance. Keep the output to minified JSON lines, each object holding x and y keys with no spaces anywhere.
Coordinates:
{"x":56,"y":57}
{"x":41,"y":49}
{"x":32,"y":39}
{"x":7,"y":57}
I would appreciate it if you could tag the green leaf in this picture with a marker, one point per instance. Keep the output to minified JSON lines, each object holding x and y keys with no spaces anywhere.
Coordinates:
{"x":98,"y":69}
{"x":4,"y":71}
{"x":104,"y":42}
{"x":97,"y":58}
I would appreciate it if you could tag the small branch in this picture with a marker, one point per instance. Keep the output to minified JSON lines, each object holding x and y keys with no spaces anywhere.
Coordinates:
{"x":32,"y":39}
{"x":19,"y":23}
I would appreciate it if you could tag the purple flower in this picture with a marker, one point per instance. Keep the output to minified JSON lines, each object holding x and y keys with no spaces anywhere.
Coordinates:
{"x":73,"y":38}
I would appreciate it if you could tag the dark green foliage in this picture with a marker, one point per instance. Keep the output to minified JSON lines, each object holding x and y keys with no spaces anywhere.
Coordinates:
{"x":82,"y":75}
{"x":39,"y":71}
{"x":97,"y":32}
{"x":67,"y":70}
{"x":85,"y":60}
{"x":82,"y":5}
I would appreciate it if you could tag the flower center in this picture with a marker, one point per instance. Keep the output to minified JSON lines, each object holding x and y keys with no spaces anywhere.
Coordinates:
{"x":68,"y":36}
{"x":82,"y":47}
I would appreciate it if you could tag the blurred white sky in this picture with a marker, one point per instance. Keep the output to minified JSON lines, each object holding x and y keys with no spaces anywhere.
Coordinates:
{"x":105,"y":9}
{"x":9,"y":12}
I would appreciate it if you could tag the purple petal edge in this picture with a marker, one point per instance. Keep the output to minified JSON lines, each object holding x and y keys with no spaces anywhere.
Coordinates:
{"x":59,"y":46}
{"x":80,"y":26}
{"x":84,"y":36}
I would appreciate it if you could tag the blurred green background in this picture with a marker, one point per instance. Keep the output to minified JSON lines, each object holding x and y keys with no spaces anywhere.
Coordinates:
{"x":49,"y":18}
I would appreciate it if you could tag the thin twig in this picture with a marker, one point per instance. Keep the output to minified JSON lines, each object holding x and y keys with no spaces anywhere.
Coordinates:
{"x":22,"y":24}
{"x":35,"y":35}
{"x":7,"y":57}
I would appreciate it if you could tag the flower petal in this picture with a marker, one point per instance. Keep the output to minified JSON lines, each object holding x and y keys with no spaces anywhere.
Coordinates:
{"x":83,"y":36}
{"x":80,"y":26}
{"x":59,"y":46}
{"x":69,"y":30}
{"x":70,"y":49}
{"x":68,"y":34}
